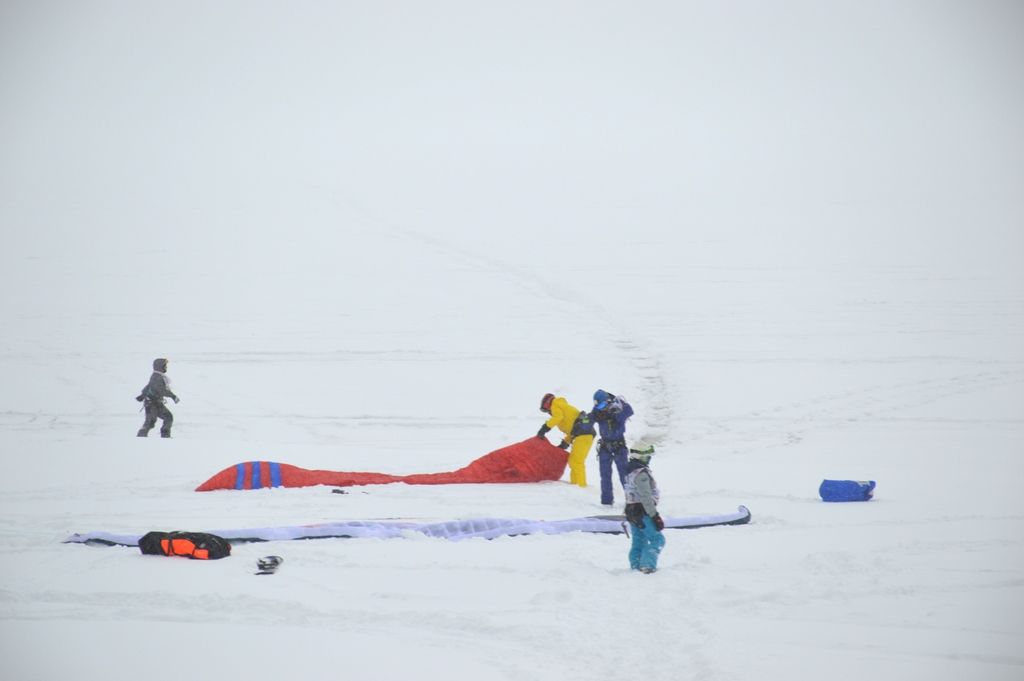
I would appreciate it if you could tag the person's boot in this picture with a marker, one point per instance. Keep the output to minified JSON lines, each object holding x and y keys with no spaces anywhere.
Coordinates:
{"x":142,"y":433}
{"x":165,"y":433}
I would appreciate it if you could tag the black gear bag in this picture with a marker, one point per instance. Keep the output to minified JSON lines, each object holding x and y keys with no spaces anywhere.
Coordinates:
{"x":197,"y":545}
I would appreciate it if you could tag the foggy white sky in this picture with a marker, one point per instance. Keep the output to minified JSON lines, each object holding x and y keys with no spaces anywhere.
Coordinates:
{"x":847,"y":130}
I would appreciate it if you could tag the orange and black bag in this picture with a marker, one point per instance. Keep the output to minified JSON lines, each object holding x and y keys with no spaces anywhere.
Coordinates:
{"x":198,"y":545}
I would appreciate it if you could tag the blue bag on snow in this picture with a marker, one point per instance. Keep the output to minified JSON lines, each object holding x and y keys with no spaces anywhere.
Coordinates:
{"x":847,"y":490}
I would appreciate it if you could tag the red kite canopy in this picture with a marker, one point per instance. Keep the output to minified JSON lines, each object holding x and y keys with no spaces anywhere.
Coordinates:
{"x":532,"y":460}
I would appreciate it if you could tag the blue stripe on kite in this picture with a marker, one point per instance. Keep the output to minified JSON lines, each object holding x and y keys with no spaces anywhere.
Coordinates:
{"x":256,"y":481}
{"x":275,"y":474}
{"x":240,"y":476}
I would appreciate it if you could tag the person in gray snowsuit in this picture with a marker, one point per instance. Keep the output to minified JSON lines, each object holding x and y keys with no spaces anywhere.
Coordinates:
{"x":642,"y":510}
{"x":152,"y":397}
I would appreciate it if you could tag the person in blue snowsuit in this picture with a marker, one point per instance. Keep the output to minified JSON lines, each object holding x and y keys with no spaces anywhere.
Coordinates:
{"x":642,"y":510}
{"x":610,"y":413}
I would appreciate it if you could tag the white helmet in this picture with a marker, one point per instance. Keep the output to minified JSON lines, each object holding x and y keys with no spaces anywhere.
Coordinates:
{"x":641,"y":451}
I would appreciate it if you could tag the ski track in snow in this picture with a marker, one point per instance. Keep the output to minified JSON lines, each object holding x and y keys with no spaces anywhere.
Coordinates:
{"x":759,"y":429}
{"x":655,"y":403}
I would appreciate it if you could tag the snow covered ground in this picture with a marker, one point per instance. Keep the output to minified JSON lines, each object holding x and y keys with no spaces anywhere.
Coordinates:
{"x":370,"y":237}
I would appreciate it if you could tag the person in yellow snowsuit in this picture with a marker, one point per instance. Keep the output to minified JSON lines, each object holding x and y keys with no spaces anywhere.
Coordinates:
{"x":578,"y":433}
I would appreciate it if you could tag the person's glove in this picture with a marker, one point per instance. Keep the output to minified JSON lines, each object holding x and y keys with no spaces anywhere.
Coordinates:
{"x":543,"y":431}
{"x":634,"y":513}
{"x":139,"y":398}
{"x":176,"y":400}
{"x":658,"y":522}
{"x":563,"y":445}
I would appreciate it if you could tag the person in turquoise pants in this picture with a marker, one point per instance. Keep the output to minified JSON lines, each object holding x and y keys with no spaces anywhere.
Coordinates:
{"x":642,"y":510}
